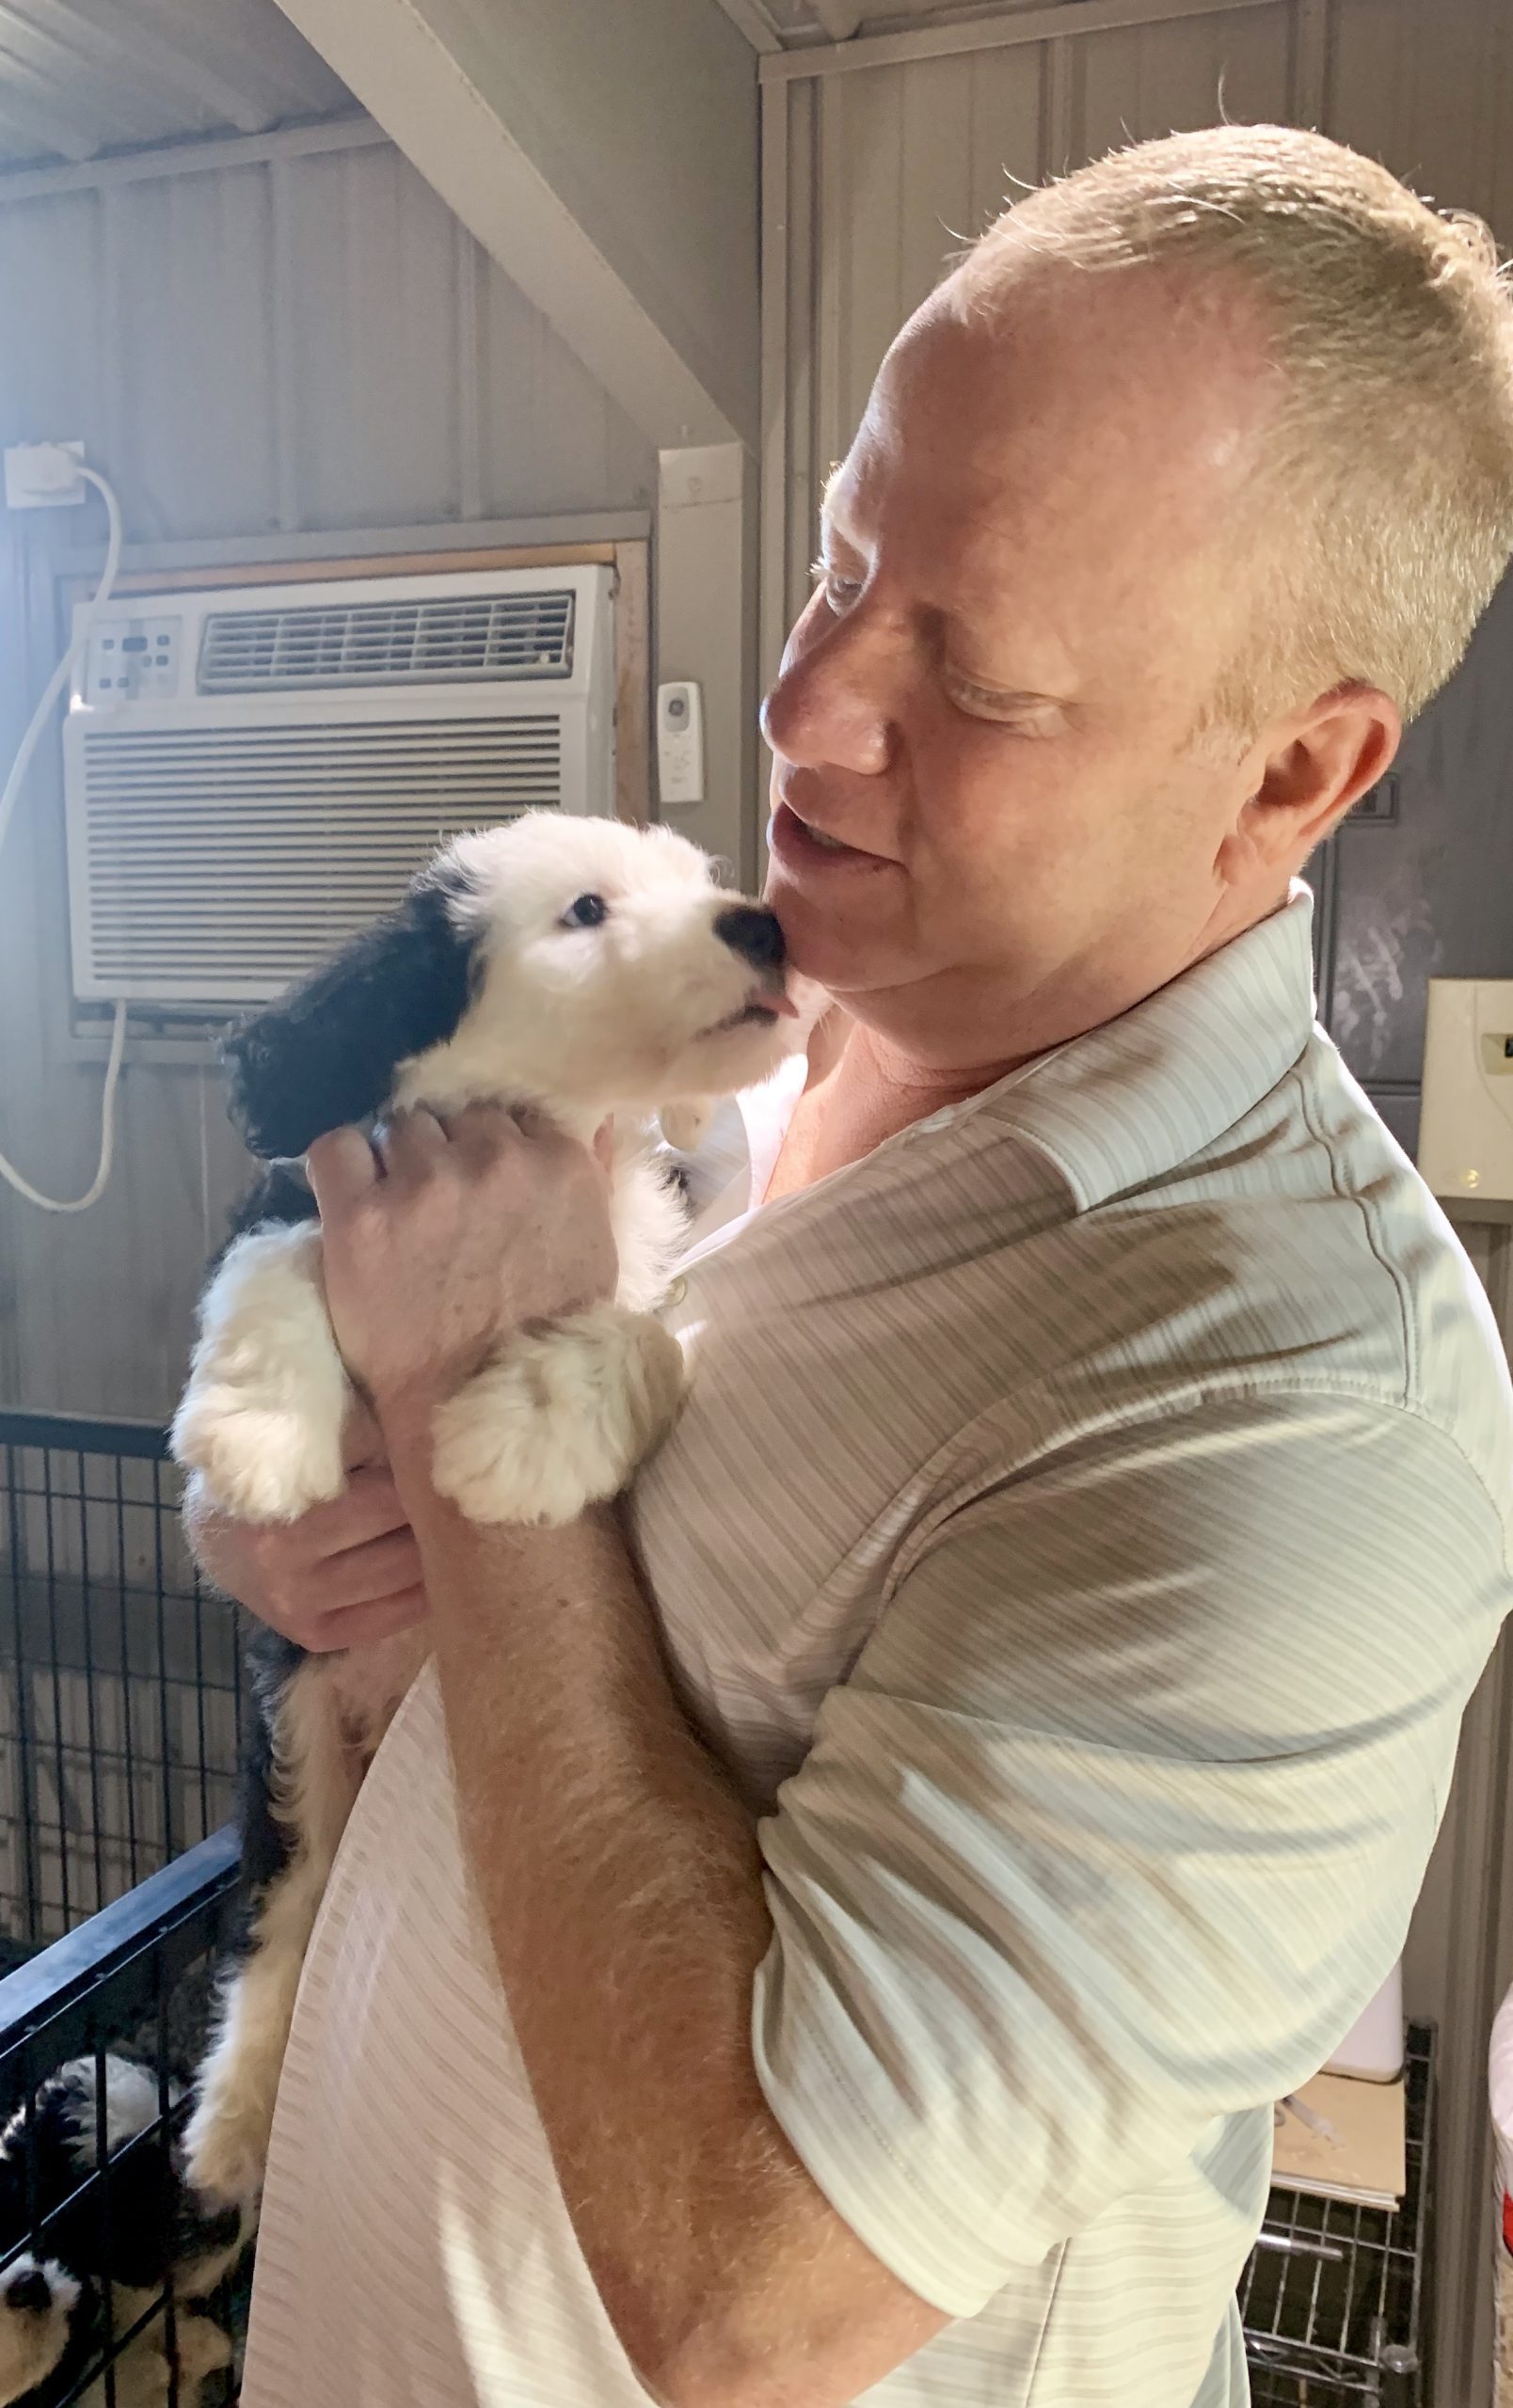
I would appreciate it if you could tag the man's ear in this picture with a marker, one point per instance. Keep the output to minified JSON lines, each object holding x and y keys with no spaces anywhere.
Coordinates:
{"x":327,"y":1052}
{"x":1328,"y":757}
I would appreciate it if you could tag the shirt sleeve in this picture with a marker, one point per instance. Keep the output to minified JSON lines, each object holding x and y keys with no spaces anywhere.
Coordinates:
{"x":1119,"y":1820}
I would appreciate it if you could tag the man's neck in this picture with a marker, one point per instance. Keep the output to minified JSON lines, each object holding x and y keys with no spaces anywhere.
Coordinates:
{"x":860,"y":1091}
{"x":863,"y":1087}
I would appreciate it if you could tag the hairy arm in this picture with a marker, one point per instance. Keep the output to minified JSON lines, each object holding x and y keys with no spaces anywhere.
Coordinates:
{"x":621,"y":1882}
{"x":618,"y":1873}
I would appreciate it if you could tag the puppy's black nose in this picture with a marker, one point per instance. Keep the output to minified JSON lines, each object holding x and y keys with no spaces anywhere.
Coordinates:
{"x":753,"y":934}
{"x":30,"y":2290}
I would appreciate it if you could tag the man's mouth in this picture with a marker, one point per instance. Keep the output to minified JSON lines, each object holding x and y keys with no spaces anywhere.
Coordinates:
{"x":797,"y":840}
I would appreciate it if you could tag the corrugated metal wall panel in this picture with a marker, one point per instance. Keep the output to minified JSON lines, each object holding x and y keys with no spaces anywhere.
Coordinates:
{"x":1156,"y":79}
{"x":549,"y":436}
{"x":310,"y":343}
{"x":51,"y":305}
{"x":371,"y":307}
{"x":1430,"y":88}
{"x":187,"y":407}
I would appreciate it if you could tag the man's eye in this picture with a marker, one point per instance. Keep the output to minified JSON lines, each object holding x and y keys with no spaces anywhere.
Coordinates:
{"x":1021,"y":712}
{"x":587,"y":913}
{"x":840,"y":592}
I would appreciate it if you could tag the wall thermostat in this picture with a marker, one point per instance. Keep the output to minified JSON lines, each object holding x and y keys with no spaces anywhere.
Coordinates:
{"x":680,"y":743}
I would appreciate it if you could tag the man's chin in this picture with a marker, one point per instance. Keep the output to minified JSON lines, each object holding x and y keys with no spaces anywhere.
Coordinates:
{"x":825,"y":946}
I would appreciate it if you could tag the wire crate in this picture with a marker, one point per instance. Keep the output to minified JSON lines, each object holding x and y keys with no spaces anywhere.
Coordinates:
{"x":133,"y":1982}
{"x":1334,"y":2301}
{"x":119,"y":1674}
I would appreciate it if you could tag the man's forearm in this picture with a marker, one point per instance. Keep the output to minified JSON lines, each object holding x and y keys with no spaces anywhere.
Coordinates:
{"x":620,"y":1879}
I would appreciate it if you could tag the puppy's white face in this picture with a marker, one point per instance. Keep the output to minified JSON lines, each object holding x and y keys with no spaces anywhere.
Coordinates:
{"x":37,"y":2301}
{"x":609,"y":970}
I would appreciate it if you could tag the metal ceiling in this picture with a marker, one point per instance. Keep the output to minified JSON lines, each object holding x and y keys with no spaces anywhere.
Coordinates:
{"x":82,"y":77}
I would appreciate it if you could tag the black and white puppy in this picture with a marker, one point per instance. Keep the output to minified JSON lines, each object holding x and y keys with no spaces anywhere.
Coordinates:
{"x":52,"y":2292}
{"x":582,"y":967}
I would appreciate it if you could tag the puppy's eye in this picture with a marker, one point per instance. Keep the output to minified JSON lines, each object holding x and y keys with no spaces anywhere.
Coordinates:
{"x":587,"y":913}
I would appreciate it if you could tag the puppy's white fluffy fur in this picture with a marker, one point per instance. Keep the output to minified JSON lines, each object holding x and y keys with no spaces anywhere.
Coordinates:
{"x":639,"y":1014}
{"x":649,"y":1010}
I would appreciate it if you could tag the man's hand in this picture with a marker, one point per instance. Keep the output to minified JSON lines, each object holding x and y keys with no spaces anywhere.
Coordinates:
{"x":443,"y":1237}
{"x":342,"y":1575}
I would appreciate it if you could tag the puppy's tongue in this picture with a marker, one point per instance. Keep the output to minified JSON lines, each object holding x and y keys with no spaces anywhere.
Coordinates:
{"x":783,"y":1003}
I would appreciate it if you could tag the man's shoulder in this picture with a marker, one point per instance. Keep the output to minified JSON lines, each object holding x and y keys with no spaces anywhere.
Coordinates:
{"x":1317,"y":1258}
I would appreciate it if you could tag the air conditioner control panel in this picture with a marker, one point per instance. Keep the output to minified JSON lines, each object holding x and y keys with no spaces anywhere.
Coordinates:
{"x":131,"y":660}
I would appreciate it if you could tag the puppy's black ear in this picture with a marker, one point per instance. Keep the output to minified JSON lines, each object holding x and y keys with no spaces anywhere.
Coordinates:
{"x":326,"y":1054}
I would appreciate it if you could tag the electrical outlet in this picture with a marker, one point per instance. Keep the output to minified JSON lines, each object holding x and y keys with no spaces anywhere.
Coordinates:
{"x":43,"y":476}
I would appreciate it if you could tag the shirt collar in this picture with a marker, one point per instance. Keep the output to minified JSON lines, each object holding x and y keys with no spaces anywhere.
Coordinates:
{"x":1131,"y":1100}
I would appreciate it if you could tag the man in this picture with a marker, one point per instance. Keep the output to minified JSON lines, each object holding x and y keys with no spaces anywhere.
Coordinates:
{"x":848,"y":1938}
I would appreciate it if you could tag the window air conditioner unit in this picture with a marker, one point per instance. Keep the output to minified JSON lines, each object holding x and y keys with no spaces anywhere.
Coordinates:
{"x":252,"y":774}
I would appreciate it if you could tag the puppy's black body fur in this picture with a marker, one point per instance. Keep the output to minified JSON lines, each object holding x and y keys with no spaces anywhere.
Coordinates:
{"x":266,"y":1845}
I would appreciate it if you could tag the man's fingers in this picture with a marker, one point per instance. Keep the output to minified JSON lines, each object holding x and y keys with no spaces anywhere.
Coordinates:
{"x":409,"y":1142}
{"x":482,"y":1131}
{"x":367,"y":1508}
{"x":340,"y":1168}
{"x":362,"y":1626}
{"x":372,"y":1573}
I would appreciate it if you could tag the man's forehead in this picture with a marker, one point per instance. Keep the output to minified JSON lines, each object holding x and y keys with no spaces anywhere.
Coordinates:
{"x":1071,"y":424}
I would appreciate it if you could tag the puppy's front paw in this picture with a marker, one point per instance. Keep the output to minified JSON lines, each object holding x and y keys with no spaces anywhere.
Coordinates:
{"x":562,"y":1420}
{"x":261,"y":1461}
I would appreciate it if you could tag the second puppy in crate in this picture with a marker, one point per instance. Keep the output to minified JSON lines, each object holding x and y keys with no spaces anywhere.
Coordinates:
{"x":131,"y":2237}
{"x":576,"y":965}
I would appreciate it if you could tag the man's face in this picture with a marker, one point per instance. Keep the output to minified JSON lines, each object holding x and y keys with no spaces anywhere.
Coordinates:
{"x":991,"y":697}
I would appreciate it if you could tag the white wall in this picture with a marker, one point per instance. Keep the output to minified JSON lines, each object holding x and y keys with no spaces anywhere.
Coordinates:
{"x":305,"y":343}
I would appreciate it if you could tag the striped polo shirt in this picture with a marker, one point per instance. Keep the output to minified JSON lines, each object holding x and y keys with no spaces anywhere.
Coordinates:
{"x":1089,"y":1517}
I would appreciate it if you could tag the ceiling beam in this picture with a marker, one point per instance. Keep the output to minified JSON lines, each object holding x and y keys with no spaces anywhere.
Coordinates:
{"x":1059,"y":20}
{"x":752,"y":20}
{"x":531,"y":125}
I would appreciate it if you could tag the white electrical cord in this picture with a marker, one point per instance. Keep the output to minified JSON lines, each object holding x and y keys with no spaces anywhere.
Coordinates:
{"x":8,"y":798}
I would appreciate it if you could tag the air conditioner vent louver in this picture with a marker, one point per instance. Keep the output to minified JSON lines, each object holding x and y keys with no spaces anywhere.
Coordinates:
{"x":223,"y":863}
{"x":444,"y":641}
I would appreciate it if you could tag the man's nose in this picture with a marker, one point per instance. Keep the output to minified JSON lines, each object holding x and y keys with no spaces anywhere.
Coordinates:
{"x":832,"y":703}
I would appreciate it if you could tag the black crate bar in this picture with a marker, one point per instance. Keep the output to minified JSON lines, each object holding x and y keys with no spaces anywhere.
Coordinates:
{"x":121,"y":1674}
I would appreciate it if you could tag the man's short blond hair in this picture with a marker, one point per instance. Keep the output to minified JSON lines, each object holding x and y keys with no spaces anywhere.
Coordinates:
{"x":1382,"y":517}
